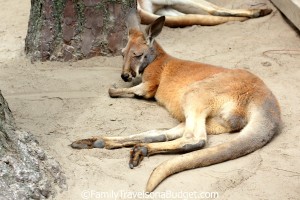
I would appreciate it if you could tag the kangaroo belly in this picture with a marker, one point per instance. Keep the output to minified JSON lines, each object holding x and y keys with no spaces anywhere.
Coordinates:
{"x":175,"y":80}
{"x":172,"y":102}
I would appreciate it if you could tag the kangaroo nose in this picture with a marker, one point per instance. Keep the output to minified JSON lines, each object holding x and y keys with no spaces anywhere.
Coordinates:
{"x":125,"y":77}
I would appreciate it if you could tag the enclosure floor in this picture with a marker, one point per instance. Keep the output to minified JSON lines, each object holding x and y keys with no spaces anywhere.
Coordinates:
{"x":61,"y":102}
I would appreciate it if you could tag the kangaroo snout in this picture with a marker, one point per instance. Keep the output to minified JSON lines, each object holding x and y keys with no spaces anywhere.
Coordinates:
{"x":126,"y":77}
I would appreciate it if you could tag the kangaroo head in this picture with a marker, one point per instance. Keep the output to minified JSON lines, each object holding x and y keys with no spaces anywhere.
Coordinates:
{"x":139,"y":51}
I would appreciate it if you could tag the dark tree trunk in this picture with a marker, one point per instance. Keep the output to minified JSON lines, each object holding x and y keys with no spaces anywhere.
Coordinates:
{"x":26,"y":170}
{"x":76,"y":29}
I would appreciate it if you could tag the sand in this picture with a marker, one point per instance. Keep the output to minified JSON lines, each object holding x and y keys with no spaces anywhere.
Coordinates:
{"x":61,"y":102}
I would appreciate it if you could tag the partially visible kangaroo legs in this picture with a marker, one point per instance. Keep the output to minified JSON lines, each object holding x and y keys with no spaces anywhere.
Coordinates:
{"x":180,"y":13}
{"x":196,"y":7}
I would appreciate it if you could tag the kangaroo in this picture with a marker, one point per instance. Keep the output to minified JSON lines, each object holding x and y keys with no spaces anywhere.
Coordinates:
{"x":205,"y":99}
{"x":180,"y":13}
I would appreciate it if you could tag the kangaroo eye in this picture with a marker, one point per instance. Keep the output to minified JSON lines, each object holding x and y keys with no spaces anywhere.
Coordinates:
{"x":137,"y":55}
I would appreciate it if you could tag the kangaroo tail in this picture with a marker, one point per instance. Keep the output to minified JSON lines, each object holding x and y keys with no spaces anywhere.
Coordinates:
{"x":262,"y":126}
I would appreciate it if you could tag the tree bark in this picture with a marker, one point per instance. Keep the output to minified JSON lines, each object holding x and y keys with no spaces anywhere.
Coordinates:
{"x":76,"y":29}
{"x":26,"y":170}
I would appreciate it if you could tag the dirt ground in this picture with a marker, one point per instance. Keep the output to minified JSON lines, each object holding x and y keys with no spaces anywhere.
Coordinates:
{"x":61,"y":102}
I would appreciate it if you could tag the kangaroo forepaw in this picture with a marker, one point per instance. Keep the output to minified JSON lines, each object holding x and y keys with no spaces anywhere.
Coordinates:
{"x":88,"y":143}
{"x":113,"y":92}
{"x":137,"y":154}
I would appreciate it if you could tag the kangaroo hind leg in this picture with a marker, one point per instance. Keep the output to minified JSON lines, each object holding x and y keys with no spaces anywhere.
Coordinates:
{"x":131,"y":140}
{"x":198,"y":6}
{"x":194,"y":138}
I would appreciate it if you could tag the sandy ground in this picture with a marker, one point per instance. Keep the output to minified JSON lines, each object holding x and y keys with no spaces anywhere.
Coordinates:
{"x":62,"y":102}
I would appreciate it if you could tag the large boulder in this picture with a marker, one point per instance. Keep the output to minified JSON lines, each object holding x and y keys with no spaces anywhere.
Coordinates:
{"x":26,"y":170}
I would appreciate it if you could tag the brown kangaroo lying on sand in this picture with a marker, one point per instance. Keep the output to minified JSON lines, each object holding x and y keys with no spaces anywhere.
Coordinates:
{"x":181,"y":13}
{"x":206,"y":100}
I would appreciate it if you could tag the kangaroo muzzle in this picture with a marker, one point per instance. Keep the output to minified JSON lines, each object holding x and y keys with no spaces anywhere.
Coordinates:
{"x":126,"y":77}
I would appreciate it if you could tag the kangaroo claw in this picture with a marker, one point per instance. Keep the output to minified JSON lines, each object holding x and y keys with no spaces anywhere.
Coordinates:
{"x":137,"y":154}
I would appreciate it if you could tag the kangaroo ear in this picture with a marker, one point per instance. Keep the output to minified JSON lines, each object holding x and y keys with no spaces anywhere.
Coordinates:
{"x":133,"y":21}
{"x":154,"y":29}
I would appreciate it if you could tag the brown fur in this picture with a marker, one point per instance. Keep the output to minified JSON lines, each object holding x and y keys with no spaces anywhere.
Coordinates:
{"x":206,"y":100}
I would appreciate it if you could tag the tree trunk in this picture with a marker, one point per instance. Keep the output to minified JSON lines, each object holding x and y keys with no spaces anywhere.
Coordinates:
{"x":76,"y":29}
{"x":26,"y":170}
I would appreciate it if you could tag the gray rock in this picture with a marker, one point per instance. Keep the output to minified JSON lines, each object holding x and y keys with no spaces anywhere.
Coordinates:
{"x":26,"y":170}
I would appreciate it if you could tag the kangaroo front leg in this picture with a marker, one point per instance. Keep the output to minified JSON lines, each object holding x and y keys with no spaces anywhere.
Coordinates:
{"x":127,"y":141}
{"x":139,"y":90}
